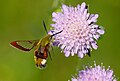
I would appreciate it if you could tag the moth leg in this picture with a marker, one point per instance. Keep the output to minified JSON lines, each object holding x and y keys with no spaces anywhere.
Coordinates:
{"x":50,"y":55}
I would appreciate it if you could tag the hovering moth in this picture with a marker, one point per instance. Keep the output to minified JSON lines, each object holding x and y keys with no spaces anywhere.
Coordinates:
{"x":41,"y":47}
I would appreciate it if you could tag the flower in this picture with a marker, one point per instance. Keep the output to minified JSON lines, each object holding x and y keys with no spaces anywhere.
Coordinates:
{"x":79,"y":30}
{"x":96,"y":73}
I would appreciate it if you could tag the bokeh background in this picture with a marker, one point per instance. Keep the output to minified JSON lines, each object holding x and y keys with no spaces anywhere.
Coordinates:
{"x":22,"y":20}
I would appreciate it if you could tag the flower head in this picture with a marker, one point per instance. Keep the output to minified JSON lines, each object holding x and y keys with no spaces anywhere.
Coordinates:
{"x":79,"y":30}
{"x":97,"y":73}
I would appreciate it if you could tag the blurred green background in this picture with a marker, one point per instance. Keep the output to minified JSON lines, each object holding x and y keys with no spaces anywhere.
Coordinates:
{"x":22,"y":20}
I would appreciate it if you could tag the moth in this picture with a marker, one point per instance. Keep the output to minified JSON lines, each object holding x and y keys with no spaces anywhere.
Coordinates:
{"x":41,"y":46}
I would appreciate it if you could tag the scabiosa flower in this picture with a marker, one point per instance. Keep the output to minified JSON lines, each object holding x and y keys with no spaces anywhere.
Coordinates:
{"x":79,"y":30}
{"x":96,"y":73}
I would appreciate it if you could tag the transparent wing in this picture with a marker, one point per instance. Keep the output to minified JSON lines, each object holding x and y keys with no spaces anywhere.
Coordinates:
{"x":25,"y":45}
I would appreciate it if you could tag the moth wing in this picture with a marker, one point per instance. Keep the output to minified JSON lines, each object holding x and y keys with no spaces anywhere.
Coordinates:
{"x":25,"y":45}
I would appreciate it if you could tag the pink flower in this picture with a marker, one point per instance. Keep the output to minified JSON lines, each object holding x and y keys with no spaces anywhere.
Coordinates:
{"x":79,"y":30}
{"x":96,"y":73}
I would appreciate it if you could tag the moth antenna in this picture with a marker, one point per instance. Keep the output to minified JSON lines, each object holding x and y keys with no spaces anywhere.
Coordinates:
{"x":45,"y":27}
{"x":56,"y":33}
